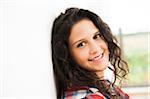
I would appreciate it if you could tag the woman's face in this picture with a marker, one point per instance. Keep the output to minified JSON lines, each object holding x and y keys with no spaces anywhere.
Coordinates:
{"x":88,"y":47}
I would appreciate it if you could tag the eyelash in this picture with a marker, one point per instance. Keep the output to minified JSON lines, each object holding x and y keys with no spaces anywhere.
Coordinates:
{"x":80,"y":44}
{"x":97,"y":36}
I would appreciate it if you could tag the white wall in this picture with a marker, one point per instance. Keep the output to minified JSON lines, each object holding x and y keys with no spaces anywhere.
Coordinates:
{"x":25,"y":66}
{"x":25,"y":58}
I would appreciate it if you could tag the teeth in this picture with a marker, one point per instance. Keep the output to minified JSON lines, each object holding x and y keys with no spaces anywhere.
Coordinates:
{"x":97,"y":58}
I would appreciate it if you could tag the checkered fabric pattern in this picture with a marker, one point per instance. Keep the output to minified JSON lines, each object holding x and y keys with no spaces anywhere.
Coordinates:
{"x":84,"y":92}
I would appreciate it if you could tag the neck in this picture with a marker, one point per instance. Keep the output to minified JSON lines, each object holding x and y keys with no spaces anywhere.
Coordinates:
{"x":100,"y":74}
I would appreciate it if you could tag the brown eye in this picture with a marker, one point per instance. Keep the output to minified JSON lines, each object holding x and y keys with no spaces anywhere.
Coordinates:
{"x":97,"y":36}
{"x":81,"y":44}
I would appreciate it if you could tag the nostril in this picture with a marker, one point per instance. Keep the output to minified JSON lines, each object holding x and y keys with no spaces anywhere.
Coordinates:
{"x":96,"y":50}
{"x":93,"y":51}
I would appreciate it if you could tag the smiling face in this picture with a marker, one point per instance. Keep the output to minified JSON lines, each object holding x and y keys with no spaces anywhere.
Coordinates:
{"x":88,"y":47}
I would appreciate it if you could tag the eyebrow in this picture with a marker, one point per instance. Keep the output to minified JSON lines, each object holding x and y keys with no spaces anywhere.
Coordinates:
{"x":83,"y":39}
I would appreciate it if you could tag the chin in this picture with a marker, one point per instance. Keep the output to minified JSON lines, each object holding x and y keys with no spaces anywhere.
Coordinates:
{"x":104,"y":67}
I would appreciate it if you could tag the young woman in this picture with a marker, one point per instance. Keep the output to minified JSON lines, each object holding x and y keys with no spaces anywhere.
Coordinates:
{"x":82,"y":48}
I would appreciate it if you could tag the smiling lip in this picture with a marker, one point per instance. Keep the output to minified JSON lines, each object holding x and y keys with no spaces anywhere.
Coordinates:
{"x":97,"y":58}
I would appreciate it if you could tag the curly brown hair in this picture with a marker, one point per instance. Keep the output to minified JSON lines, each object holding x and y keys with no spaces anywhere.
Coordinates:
{"x":66,"y":71}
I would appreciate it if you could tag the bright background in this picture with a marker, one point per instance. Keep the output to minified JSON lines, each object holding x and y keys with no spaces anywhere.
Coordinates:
{"x":25,"y":26}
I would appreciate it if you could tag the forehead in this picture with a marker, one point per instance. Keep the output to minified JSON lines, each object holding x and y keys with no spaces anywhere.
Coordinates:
{"x":84,"y":25}
{"x":82,"y":29}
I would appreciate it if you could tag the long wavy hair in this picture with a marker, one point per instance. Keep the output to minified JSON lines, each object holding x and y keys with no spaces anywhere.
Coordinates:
{"x":67,"y":72}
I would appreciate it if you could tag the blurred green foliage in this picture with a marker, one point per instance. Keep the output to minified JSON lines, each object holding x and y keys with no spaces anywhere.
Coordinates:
{"x":135,"y":52}
{"x":138,"y":65}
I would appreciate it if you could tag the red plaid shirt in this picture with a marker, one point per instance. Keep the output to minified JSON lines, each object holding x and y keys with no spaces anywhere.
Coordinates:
{"x":84,"y":92}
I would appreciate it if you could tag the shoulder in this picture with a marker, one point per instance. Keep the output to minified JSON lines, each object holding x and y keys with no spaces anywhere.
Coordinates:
{"x":123,"y":94}
{"x":83,"y":92}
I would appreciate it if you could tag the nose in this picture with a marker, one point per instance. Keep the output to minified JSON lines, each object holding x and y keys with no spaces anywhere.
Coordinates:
{"x":94,"y":48}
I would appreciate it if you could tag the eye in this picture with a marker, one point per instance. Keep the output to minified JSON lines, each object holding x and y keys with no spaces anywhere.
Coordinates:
{"x":82,"y":44}
{"x":97,"y":36}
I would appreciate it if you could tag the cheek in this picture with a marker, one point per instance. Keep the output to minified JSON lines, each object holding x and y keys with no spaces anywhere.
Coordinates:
{"x":80,"y":55}
{"x":105,"y":46}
